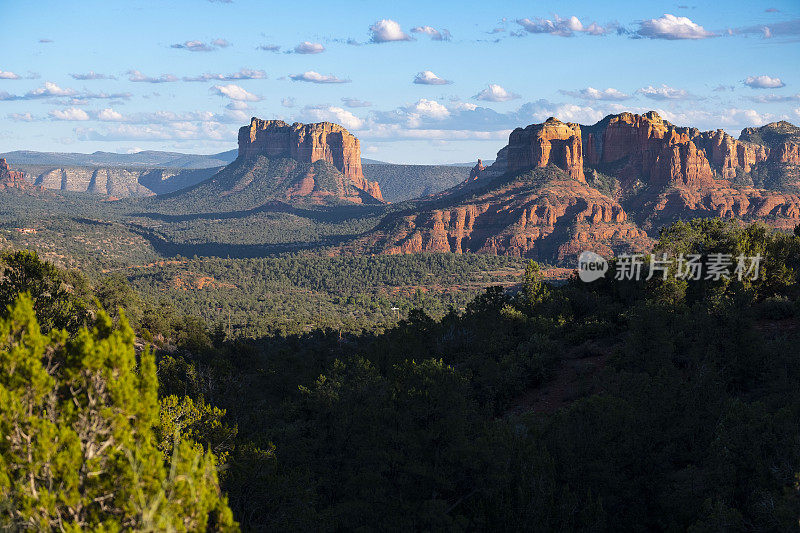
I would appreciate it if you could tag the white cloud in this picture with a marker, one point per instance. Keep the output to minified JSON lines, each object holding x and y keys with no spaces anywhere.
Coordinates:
{"x":672,"y":27}
{"x":426,"y":77}
{"x":564,"y":27}
{"x":315,"y":77}
{"x":590,"y":93}
{"x":664,"y":92}
{"x":495,"y":93}
{"x":288,"y":102}
{"x":433,"y":33}
{"x":242,"y":74}
{"x":425,"y":108}
{"x":109,"y":115}
{"x":333,"y":114}
{"x":50,"y":89}
{"x":220,"y":43}
{"x":5,"y":75}
{"x":764,"y":82}
{"x":387,"y":30}
{"x":355,"y":102}
{"x":307,"y":47}
{"x":238,"y":105}
{"x":73,"y":113}
{"x":234,"y":92}
{"x":136,"y":76}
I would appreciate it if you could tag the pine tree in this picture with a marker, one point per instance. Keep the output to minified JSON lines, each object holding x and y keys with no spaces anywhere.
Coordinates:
{"x":79,"y":448}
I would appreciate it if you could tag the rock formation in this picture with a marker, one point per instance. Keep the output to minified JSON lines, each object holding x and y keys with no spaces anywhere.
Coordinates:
{"x":520,"y":218}
{"x":115,"y":182}
{"x":539,"y":145}
{"x":11,"y":179}
{"x":307,"y":143}
{"x":654,"y":170}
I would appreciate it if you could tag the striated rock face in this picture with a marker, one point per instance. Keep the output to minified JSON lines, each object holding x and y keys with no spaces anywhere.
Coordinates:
{"x":552,"y":143}
{"x":551,"y":221}
{"x":11,"y":179}
{"x":307,"y":143}
{"x":116,"y":182}
{"x":651,"y":169}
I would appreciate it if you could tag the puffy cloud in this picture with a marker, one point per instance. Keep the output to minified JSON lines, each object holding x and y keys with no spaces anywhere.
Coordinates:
{"x":136,"y":76}
{"x":426,"y":77}
{"x":315,"y":77}
{"x":220,"y":43}
{"x":234,"y":92}
{"x":564,"y":27}
{"x":495,"y":93}
{"x":288,"y":102}
{"x":307,"y":47}
{"x":4,"y":75}
{"x":764,"y":82}
{"x":590,"y":93}
{"x":243,"y":74}
{"x":428,"y":109}
{"x":73,"y":113}
{"x":92,"y":75}
{"x":387,"y":30}
{"x":48,"y":90}
{"x":433,"y":33}
{"x":269,"y":47}
{"x":664,"y":92}
{"x":338,"y":115}
{"x":672,"y":27}
{"x":355,"y":102}
{"x":109,"y":115}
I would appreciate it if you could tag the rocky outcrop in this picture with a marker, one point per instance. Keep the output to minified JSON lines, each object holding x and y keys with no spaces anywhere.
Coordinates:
{"x":551,"y":222}
{"x":307,"y":143}
{"x":726,"y":154}
{"x":115,"y":182}
{"x":476,"y":171}
{"x":11,"y":179}
{"x":665,"y":172}
{"x":552,"y":143}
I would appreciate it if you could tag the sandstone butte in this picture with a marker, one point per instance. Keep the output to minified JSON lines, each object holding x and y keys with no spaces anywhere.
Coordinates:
{"x":663,"y":171}
{"x":12,"y":179}
{"x":307,"y":143}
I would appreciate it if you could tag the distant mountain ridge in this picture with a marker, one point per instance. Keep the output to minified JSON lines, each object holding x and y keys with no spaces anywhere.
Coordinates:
{"x":146,"y":158}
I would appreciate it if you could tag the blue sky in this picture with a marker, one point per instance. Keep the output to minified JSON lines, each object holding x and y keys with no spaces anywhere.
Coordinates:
{"x":128,"y":75}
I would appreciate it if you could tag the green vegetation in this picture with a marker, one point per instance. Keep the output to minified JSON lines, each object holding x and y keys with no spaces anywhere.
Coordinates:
{"x":405,"y":182}
{"x":610,"y":406}
{"x":253,"y":297}
{"x":79,"y":415}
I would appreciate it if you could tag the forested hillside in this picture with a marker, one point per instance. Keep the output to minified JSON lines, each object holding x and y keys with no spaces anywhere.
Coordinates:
{"x":663,"y":404}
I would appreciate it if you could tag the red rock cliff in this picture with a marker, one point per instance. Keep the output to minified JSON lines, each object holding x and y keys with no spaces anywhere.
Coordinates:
{"x":553,"y":142}
{"x":11,"y":178}
{"x":307,"y":143}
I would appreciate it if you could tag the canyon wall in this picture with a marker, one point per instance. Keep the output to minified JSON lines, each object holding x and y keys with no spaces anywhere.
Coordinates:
{"x":307,"y":143}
